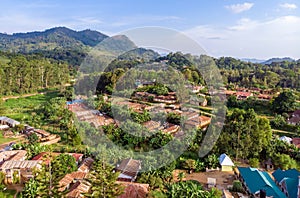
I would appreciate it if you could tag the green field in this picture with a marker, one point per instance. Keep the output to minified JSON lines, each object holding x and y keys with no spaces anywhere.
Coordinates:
{"x":21,"y":109}
{"x":4,"y":140}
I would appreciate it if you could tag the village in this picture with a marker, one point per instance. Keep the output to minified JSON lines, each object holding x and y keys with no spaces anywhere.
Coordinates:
{"x":227,"y":176}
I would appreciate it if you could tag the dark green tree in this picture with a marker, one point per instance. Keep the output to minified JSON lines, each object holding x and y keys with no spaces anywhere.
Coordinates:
{"x":103,"y":181}
{"x":285,"y":102}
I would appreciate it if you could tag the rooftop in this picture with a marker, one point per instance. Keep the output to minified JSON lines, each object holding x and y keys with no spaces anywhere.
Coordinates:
{"x":257,"y":180}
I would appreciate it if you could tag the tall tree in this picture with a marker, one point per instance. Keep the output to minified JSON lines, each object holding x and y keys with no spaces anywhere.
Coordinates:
{"x":103,"y":181}
{"x":285,"y":102}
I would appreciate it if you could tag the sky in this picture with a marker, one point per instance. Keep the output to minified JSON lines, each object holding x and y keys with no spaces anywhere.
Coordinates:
{"x":259,"y":29}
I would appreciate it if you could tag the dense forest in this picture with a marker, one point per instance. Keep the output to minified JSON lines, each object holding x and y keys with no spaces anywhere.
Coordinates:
{"x":245,"y":74}
{"x":21,"y":74}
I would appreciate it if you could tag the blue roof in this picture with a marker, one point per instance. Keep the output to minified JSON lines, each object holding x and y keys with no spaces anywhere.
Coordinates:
{"x":257,"y":180}
{"x":280,"y":174}
{"x":290,"y":178}
{"x":74,"y":102}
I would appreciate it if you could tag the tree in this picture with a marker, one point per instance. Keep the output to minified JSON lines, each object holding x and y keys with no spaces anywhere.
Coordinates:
{"x":64,"y":164}
{"x":190,"y":165}
{"x":192,"y":189}
{"x":154,"y":181}
{"x":244,"y":135}
{"x":103,"y":181}
{"x":237,"y":186}
{"x":285,"y":102}
{"x":284,"y":161}
{"x":33,"y":138}
{"x":254,"y":162}
{"x":47,"y":184}
{"x":30,"y":189}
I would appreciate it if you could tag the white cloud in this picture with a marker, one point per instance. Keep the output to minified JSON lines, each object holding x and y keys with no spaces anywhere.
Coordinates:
{"x":290,"y":6}
{"x":238,"y":8}
{"x":278,"y":37}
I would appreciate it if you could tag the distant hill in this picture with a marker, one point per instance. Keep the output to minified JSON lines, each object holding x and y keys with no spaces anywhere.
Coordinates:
{"x":278,"y":60}
{"x":54,"y":38}
{"x":140,"y":53}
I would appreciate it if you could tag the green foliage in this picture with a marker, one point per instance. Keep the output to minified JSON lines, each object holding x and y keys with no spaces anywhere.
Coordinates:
{"x":254,"y":162}
{"x":16,"y":177}
{"x":30,"y":189}
{"x":27,"y":74}
{"x":211,"y":161}
{"x":103,"y":181}
{"x":244,"y":135}
{"x":2,"y":177}
{"x":64,"y":164}
{"x":191,"y":189}
{"x":47,"y":183}
{"x":237,"y":186}
{"x":246,"y":74}
{"x":189,"y":164}
{"x":284,"y":161}
{"x":33,"y":138}
{"x":155,"y":182}
{"x":285,"y":102}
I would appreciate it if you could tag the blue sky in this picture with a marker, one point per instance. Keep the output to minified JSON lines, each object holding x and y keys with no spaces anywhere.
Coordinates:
{"x":255,"y":29}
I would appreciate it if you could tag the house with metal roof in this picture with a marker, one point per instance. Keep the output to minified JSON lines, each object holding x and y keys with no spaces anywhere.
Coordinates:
{"x":288,"y":181}
{"x":22,"y":169}
{"x":256,"y":181}
{"x":129,"y":169}
{"x":8,"y":121}
{"x":225,"y":162}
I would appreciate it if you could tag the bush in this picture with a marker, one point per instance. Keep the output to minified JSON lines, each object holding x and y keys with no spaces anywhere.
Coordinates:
{"x":237,"y":186}
{"x":254,"y":162}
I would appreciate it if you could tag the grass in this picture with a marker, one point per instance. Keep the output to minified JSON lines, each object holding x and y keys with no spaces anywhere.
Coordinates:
{"x":20,"y":109}
{"x":4,"y":140}
{"x":7,"y":193}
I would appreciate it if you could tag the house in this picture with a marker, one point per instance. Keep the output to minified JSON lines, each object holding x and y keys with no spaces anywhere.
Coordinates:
{"x":269,"y":164}
{"x":68,"y":179}
{"x":294,"y":118}
{"x":171,"y":129}
{"x":86,"y":165}
{"x":78,"y":189}
{"x":288,"y":181}
{"x":16,"y":155}
{"x":286,"y":139}
{"x":4,"y":127}
{"x":23,"y":169}
{"x":225,"y":162}
{"x":296,"y":142}
{"x":134,"y":190}
{"x":256,"y":181}
{"x":264,"y":97}
{"x":152,"y":125}
{"x":8,"y":121}
{"x":129,"y":169}
{"x":240,"y":95}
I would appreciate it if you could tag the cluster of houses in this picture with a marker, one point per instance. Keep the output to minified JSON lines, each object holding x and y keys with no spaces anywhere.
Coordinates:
{"x":45,"y":138}
{"x":17,"y":168}
{"x":262,"y":184}
{"x":244,"y":93}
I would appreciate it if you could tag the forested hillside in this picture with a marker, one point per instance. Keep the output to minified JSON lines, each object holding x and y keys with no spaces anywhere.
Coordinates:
{"x":55,"y":38}
{"x":277,"y":74}
{"x":21,"y":74}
